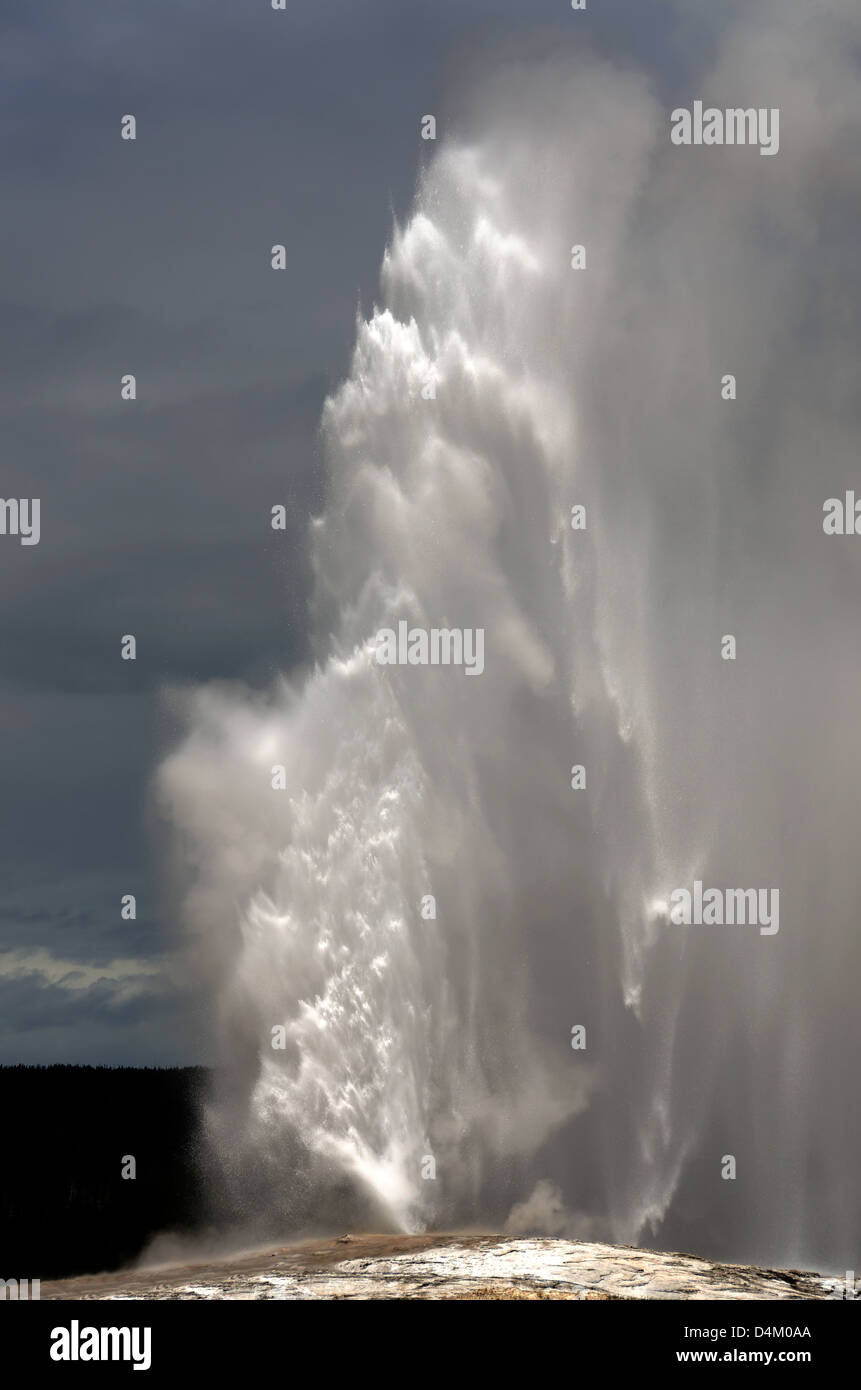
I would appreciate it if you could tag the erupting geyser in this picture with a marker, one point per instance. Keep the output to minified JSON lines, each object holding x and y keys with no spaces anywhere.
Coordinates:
{"x":428,"y":906}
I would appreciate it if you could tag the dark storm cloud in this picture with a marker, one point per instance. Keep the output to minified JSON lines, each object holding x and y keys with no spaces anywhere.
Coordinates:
{"x":153,"y":258}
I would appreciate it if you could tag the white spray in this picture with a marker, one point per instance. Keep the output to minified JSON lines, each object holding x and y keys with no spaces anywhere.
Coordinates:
{"x":428,"y":907}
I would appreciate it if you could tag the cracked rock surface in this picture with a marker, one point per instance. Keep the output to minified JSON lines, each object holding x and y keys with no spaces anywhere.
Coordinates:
{"x":442,"y":1267}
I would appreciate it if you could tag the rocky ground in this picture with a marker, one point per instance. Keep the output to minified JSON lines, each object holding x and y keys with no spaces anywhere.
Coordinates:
{"x":447,"y":1267}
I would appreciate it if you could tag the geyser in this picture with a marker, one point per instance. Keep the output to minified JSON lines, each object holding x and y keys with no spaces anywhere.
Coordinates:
{"x":427,"y":908}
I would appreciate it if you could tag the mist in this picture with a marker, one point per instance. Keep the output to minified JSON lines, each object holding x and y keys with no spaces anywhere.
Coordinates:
{"x":428,"y":907}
